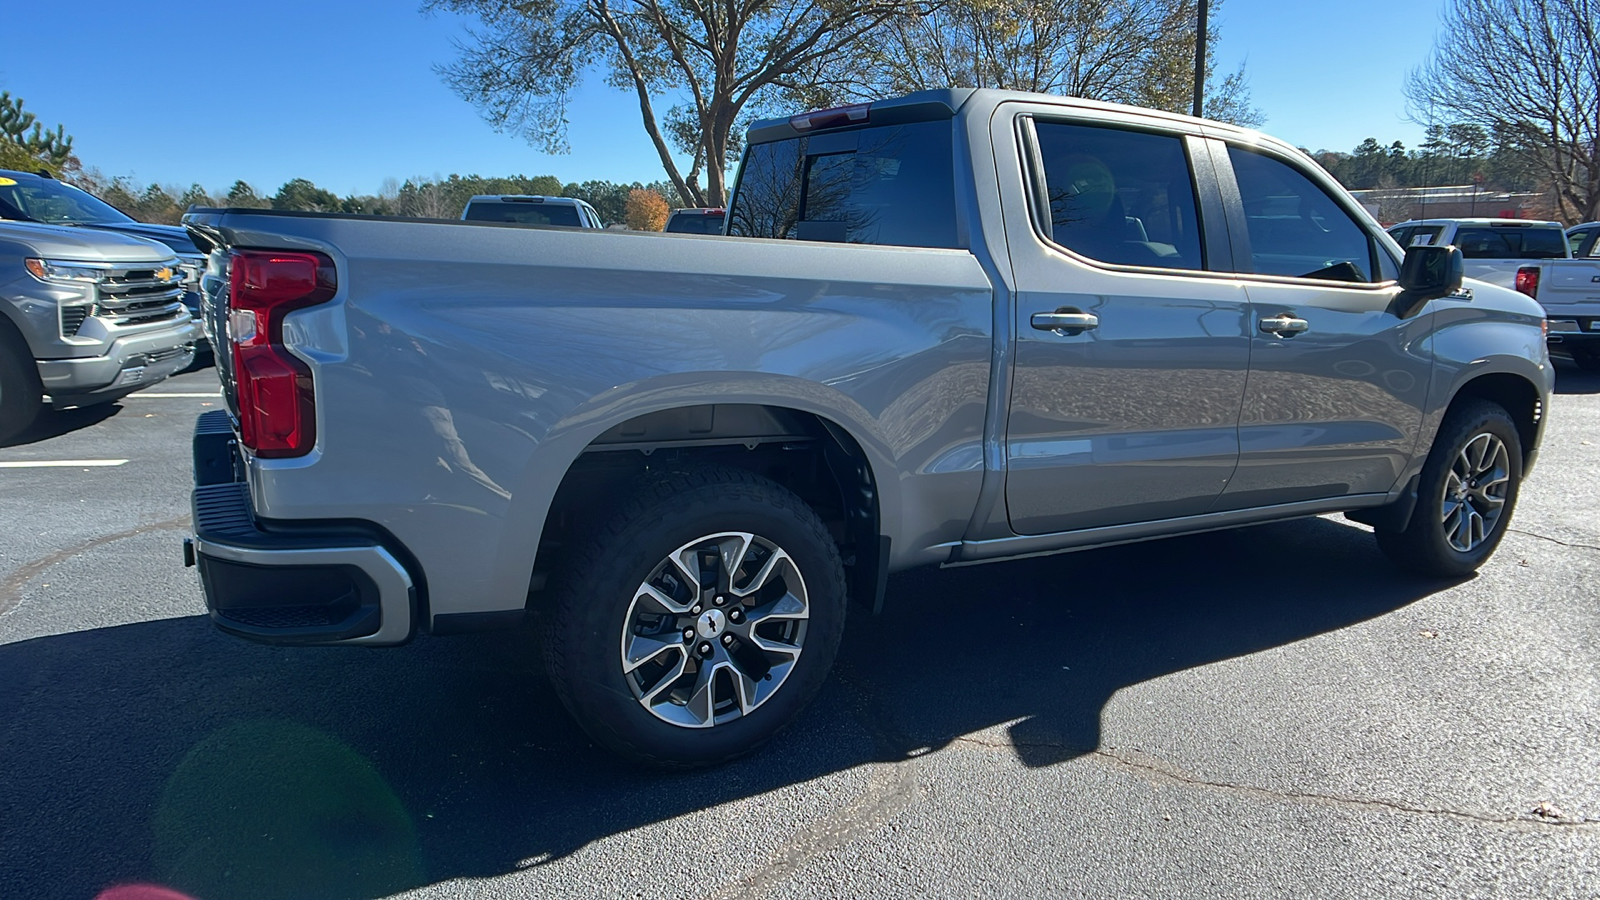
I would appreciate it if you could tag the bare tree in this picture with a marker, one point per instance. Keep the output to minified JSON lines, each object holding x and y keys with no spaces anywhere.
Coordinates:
{"x":1531,"y":69}
{"x":727,"y":58}
{"x":1126,"y":51}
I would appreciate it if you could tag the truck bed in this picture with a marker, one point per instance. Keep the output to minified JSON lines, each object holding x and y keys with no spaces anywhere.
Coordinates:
{"x":453,"y":350}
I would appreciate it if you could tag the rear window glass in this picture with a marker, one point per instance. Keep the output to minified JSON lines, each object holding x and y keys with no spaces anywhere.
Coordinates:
{"x":1511,"y":243}
{"x":694,"y":223}
{"x":889,"y":185}
{"x":523,"y":213}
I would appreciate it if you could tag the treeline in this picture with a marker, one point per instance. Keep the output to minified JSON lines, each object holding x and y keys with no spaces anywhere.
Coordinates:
{"x":1454,"y":154}
{"x":433,"y":198}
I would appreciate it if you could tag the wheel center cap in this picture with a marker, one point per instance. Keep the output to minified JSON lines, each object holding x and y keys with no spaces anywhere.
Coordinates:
{"x":711,"y":623}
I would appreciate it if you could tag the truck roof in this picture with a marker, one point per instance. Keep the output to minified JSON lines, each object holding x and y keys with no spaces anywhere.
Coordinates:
{"x":522,"y":198}
{"x":1481,"y":220}
{"x":946,"y":103}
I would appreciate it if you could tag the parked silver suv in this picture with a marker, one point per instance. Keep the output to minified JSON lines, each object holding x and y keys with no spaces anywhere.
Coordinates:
{"x":85,"y":317}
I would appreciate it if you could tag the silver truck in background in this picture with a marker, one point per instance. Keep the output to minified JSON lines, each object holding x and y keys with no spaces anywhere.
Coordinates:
{"x":37,"y":197}
{"x":1569,"y":291}
{"x":531,"y":209}
{"x":949,"y":328}
{"x":85,"y":317}
{"x":1494,"y":249}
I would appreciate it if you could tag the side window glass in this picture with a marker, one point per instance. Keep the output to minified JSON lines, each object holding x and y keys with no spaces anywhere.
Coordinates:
{"x":889,"y":185}
{"x":1575,"y":241}
{"x":1123,"y":197}
{"x":1425,"y":236}
{"x":1402,"y":236}
{"x":1295,"y":228}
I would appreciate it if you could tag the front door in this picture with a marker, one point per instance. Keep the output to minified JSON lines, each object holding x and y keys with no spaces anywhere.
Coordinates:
{"x":1337,"y":380}
{"x":1130,"y":358}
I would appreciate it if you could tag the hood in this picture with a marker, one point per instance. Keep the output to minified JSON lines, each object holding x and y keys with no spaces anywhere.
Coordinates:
{"x":172,"y":235}
{"x":76,"y":244}
{"x":1493,"y":296}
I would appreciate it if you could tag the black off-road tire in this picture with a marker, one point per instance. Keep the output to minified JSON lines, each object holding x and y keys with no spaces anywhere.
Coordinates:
{"x":21,"y":395}
{"x":596,"y":587}
{"x":1423,"y":547}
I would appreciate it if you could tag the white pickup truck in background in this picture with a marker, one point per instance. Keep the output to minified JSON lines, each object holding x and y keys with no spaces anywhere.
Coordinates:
{"x":1494,"y":249}
{"x":1569,"y":291}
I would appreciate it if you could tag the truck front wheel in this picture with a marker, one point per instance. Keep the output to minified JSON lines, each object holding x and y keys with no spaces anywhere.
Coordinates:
{"x":699,"y":620}
{"x":21,"y":396}
{"x":1465,"y":496}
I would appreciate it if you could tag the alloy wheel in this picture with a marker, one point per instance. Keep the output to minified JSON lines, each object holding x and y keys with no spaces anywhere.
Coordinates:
{"x":1475,"y":492}
{"x":715,"y":629}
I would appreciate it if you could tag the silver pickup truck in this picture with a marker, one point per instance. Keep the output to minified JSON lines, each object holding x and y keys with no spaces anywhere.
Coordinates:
{"x":85,"y":317}
{"x":1569,"y":291}
{"x":951,"y":328}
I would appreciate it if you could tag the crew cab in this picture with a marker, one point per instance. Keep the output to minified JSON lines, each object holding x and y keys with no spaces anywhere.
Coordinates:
{"x":1494,"y":249}
{"x":950,"y":328}
{"x":86,"y":317}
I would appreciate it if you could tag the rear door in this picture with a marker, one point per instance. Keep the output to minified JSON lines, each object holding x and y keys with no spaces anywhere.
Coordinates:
{"x":1130,"y":351}
{"x":1337,"y":380}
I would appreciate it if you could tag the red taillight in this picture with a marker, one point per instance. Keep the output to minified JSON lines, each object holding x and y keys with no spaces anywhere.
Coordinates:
{"x":1528,"y":281}
{"x":277,"y":406}
{"x":832,"y":118}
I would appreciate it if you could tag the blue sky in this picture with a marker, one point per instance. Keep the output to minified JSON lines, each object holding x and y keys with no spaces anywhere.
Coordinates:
{"x":343,"y":93}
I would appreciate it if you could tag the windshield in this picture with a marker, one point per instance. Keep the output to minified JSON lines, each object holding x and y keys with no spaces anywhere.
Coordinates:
{"x":523,"y":212}
{"x":47,"y":200}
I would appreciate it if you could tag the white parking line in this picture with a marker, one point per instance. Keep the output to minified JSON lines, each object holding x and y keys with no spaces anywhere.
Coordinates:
{"x":143,"y":395}
{"x":61,"y":463}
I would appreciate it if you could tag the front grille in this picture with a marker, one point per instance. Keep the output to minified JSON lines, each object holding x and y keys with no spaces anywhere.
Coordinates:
{"x":72,"y":319}
{"x":140,"y":296}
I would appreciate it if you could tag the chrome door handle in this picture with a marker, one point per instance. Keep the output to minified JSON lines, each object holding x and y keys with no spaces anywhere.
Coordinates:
{"x":1064,"y":320}
{"x":1284,"y":324}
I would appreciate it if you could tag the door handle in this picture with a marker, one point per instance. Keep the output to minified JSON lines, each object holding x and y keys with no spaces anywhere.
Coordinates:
{"x":1283,"y":323}
{"x":1065,"y":320}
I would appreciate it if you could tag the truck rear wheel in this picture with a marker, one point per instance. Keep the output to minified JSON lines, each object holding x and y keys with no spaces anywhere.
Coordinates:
{"x":21,"y":396}
{"x":698,"y":620}
{"x":1465,"y":496}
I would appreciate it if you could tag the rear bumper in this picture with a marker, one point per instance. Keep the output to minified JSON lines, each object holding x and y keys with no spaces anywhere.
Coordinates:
{"x":332,"y":585}
{"x":130,"y":363}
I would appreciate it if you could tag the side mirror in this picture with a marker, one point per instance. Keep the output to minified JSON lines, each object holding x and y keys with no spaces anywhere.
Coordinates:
{"x":1429,"y":273}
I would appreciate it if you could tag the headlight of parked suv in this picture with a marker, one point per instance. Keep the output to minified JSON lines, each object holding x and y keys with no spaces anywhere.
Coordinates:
{"x":50,"y":270}
{"x":192,"y":268}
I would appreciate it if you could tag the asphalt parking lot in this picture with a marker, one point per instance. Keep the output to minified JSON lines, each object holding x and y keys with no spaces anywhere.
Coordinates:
{"x":1270,"y":712}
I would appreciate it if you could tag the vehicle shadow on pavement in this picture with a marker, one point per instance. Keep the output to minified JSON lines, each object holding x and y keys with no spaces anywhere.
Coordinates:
{"x":1572,"y":380}
{"x":164,"y":751}
{"x":55,"y":423}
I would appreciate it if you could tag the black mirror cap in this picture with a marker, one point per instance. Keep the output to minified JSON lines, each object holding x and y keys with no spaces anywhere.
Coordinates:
{"x":1429,"y":273}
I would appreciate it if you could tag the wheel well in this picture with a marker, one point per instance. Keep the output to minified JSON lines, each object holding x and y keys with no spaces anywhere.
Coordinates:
{"x":1516,"y":395}
{"x":812,"y":456}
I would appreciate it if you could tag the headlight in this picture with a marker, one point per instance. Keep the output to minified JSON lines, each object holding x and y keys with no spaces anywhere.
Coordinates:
{"x":192,"y":268}
{"x":48,"y":270}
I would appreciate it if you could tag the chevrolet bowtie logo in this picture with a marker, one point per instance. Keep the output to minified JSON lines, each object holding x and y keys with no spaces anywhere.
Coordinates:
{"x":164,"y":273}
